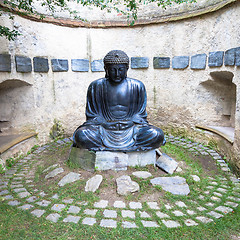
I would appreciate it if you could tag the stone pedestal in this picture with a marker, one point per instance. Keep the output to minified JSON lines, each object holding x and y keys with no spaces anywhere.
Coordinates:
{"x":105,"y":160}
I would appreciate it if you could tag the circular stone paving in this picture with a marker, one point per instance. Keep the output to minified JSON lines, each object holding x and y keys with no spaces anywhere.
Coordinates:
{"x":211,"y":195}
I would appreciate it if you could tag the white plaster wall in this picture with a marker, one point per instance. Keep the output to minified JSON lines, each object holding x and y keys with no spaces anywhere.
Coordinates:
{"x":175,"y":97}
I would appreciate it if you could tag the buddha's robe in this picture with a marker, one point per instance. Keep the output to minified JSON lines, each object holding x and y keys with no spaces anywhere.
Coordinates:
{"x":94,"y":135}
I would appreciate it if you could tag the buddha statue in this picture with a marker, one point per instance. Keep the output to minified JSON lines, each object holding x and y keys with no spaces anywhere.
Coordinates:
{"x":116,"y":117}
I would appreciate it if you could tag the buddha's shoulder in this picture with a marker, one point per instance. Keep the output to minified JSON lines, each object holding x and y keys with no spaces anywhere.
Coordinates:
{"x":97,"y":82}
{"x":135,"y":81}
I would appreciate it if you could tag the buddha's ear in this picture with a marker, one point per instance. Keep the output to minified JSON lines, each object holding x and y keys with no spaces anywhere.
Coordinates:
{"x":106,"y":72}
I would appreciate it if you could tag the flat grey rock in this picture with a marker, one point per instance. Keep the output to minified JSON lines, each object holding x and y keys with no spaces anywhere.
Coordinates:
{"x":40,"y":65}
{"x":59,"y":65}
{"x":180,"y":62}
{"x":43,"y":203}
{"x":128,"y":213}
{"x":80,"y":65}
{"x":141,"y":159}
{"x":5,"y":63}
{"x":109,"y":223}
{"x":215,"y":59}
{"x":142,"y":174}
{"x":171,"y":223}
{"x":4,"y":192}
{"x":204,"y":219}
{"x":161,"y":62}
{"x":74,"y":209}
{"x":190,"y":222}
{"x":89,"y":221}
{"x":70,"y":218}
{"x":126,"y":224}
{"x":53,"y":217}
{"x":91,"y":212}
{"x":110,"y":213}
{"x":97,"y":66}
{"x":13,"y":203}
{"x":195,"y":178}
{"x":144,"y":215}
{"x":162,"y":215}
{"x":153,"y":205}
{"x":175,"y":185}
{"x":38,"y":212}
{"x":166,"y":163}
{"x":26,"y":207}
{"x":224,"y":209}
{"x":58,"y":207}
{"x":198,"y":61}
{"x":23,"y":64}
{"x":50,"y":167}
{"x":125,"y":185}
{"x":32,"y":199}
{"x":54,"y":173}
{"x":214,"y":214}
{"x":139,"y":62}
{"x":119,"y":204}
{"x":24,"y":194}
{"x":135,"y":205}
{"x":149,"y":223}
{"x":93,"y":183}
{"x":101,"y":204}
{"x":69,"y":178}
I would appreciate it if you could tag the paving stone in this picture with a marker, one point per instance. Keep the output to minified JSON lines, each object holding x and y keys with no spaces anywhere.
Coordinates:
{"x":213,"y":183}
{"x":190,"y":222}
{"x":201,"y":209}
{"x":91,"y":212}
{"x":204,"y":219}
{"x":43,"y":203}
{"x":234,"y":198}
{"x":97,"y":66}
{"x":178,"y":213}
{"x":128,"y":213}
{"x":149,"y":223}
{"x":23,"y":64}
{"x":161,"y":214}
{"x":209,"y":204}
{"x":126,"y":224}
{"x":7,"y":197}
{"x":195,"y":178}
{"x":191,"y":212}
{"x":26,"y":207}
{"x":50,"y":167}
{"x":135,"y":205}
{"x":93,"y":183}
{"x":53,"y":217}
{"x":40,"y":65}
{"x":176,"y":185}
{"x":180,"y":62}
{"x":74,"y":209}
{"x":224,"y":209}
{"x":230,"y":56}
{"x":89,"y":221}
{"x":222,"y":190}
{"x":38,"y":212}
{"x":168,"y":206}
{"x":166,"y":163}
{"x":101,"y":204}
{"x":32,"y":199}
{"x":119,"y":204}
{"x":215,"y":199}
{"x":70,"y":218}
{"x":144,"y":214}
{"x":142,"y":174}
{"x":161,"y":62}
{"x":210,"y":187}
{"x":67,"y":200}
{"x":125,"y":185}
{"x":215,"y":59}
{"x":83,"y":203}
{"x":69,"y":178}
{"x":19,"y":190}
{"x":217,"y":194}
{"x":153,"y":205}
{"x":54,"y":173}
{"x":180,"y":204}
{"x":5,"y":63}
{"x":58,"y":207}
{"x":214,"y":214}
{"x":109,"y":223}
{"x":80,"y":65}
{"x":55,"y":196}
{"x":110,"y":213}
{"x":24,"y":194}
{"x":4,"y":192}
{"x":198,"y":61}
{"x":171,"y":223}
{"x":201,"y":197}
{"x":13,"y":203}
{"x":59,"y":65}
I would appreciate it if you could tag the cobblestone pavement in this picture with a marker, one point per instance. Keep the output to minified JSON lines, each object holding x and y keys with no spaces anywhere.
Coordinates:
{"x":219,"y":198}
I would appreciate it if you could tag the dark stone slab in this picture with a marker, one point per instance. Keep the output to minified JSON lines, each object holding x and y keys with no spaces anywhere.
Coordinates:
{"x":97,"y":66}
{"x":215,"y":59}
{"x":230,"y":56}
{"x":5,"y":63}
{"x":161,"y":62}
{"x":59,"y":65}
{"x":40,"y":64}
{"x":198,"y":61}
{"x":180,"y":62}
{"x":237,"y":57}
{"x":82,"y":158}
{"x":80,"y":65}
{"x":139,"y":62}
{"x":23,"y":64}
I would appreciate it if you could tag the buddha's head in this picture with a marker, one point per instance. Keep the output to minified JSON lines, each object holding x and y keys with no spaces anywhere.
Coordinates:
{"x":116,"y":64}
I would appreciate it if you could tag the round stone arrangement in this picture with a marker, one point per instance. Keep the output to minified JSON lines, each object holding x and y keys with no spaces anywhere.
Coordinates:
{"x":218,"y":198}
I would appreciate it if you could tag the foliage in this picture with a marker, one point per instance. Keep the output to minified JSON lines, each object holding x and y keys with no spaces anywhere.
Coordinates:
{"x":131,"y":9}
{"x":57,"y":130}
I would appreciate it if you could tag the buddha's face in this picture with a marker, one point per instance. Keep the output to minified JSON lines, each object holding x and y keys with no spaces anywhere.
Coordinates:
{"x":117,"y":72}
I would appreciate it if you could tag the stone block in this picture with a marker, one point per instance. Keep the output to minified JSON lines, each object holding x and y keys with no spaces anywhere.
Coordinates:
{"x":198,"y":61}
{"x":69,"y":178}
{"x":141,"y":158}
{"x":82,"y":158}
{"x":93,"y":183}
{"x":180,"y":62}
{"x":40,"y":64}
{"x":5,"y":63}
{"x":97,"y":66}
{"x":111,"y":160}
{"x":80,"y":65}
{"x":59,"y":65}
{"x":23,"y":64}
{"x":166,"y":163}
{"x":215,"y":59}
{"x":139,"y":62}
{"x":237,"y":57}
{"x":229,"y":57}
{"x":161,"y":62}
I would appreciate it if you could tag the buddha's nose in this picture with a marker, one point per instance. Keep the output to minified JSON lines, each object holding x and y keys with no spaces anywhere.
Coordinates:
{"x":117,"y":73}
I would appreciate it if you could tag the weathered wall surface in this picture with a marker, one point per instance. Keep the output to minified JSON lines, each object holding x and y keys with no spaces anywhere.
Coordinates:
{"x":176,"y":97}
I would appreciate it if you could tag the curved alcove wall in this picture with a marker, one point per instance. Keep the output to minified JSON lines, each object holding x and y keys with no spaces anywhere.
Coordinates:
{"x":180,"y":62}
